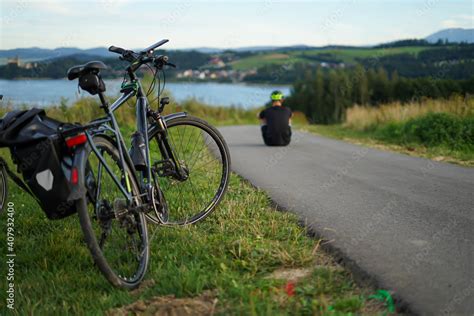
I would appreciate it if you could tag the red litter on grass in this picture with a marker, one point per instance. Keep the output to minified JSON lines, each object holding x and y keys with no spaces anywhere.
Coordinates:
{"x":290,"y":289}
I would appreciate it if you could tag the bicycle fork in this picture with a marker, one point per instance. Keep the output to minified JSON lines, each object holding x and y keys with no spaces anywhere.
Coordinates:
{"x":171,"y":166}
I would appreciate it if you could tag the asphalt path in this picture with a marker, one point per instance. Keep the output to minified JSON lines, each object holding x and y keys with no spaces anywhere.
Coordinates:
{"x":406,"y":221}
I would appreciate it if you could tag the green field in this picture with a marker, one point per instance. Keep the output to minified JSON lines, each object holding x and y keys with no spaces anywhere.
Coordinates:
{"x":346,"y":55}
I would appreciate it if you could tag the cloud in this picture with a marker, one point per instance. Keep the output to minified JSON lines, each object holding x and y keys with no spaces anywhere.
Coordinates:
{"x":466,"y":17}
{"x":450,"y":23}
{"x":462,"y":20}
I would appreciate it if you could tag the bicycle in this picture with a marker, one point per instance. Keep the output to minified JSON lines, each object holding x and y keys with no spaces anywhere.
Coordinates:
{"x":175,"y":173}
{"x":162,"y":179}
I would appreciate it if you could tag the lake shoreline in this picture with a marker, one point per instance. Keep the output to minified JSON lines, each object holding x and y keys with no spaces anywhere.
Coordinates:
{"x":47,"y":92}
{"x":173,"y":80}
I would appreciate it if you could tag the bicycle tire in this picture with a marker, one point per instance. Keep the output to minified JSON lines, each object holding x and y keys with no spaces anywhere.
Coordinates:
{"x":3,"y":187}
{"x":87,"y":221}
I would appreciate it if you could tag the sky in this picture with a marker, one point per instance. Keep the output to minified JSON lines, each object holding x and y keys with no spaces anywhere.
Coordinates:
{"x":224,"y":24}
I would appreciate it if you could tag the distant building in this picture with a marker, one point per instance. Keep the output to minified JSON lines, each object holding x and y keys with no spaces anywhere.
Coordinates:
{"x":31,"y":65}
{"x":217,"y":62}
{"x":17,"y":62}
{"x":14,"y":61}
{"x":188,"y":73}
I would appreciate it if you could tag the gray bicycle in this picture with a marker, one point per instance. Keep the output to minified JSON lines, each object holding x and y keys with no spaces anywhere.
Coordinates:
{"x":175,"y":173}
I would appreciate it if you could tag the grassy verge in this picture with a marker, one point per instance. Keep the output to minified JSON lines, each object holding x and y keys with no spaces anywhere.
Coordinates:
{"x":231,"y":254}
{"x":441,"y":130}
{"x":442,"y":152}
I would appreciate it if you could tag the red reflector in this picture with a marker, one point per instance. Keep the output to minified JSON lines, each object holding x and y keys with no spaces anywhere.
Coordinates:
{"x":76,"y":140}
{"x":74,"y":176}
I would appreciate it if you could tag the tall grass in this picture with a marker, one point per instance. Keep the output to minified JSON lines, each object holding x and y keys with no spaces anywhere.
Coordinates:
{"x":87,"y":109}
{"x":364,"y":117}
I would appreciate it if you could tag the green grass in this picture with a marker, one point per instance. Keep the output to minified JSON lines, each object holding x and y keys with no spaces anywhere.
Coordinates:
{"x":263,"y":59}
{"x":231,"y":252}
{"x":346,"y":55}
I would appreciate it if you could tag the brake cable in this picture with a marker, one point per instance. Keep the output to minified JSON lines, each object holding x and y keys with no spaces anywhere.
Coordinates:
{"x":160,"y":90}
{"x":153,"y":82}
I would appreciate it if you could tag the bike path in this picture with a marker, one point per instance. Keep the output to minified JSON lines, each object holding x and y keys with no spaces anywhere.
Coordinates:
{"x":406,"y":221}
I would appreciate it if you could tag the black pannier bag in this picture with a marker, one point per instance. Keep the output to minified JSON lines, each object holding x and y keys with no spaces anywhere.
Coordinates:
{"x":39,"y":151}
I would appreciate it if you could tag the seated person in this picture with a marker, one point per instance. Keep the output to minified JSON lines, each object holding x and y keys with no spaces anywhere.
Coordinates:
{"x":276,"y":122}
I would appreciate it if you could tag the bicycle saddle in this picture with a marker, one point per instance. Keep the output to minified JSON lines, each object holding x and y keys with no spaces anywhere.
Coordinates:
{"x":76,"y":71}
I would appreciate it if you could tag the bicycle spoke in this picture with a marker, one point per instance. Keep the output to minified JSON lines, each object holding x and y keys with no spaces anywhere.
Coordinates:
{"x":197,"y":152}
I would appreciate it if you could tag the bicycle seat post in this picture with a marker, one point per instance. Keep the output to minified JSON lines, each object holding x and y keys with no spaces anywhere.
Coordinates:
{"x":103,"y":100}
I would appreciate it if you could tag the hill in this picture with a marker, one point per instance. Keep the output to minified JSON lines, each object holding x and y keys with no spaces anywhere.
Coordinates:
{"x":36,"y":53}
{"x":453,"y":35}
{"x":411,"y":58}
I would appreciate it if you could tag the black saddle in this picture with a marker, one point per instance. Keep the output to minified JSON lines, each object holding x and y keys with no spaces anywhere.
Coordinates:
{"x":92,"y":66}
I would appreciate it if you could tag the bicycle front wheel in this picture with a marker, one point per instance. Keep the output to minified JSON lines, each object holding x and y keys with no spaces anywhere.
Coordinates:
{"x":202,"y":153}
{"x":115,"y":232}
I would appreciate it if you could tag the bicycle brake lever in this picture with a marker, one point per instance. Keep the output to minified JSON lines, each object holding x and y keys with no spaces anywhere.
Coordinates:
{"x":171,"y":65}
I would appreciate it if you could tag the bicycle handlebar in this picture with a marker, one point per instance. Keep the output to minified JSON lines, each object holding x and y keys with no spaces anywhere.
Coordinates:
{"x":144,"y":57}
{"x":117,"y":50}
{"x":155,"y":46}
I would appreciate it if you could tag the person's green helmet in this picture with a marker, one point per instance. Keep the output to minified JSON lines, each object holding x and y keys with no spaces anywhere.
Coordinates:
{"x":277,"y":95}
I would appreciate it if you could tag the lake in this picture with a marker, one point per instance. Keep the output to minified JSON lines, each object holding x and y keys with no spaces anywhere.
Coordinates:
{"x":45,"y":92}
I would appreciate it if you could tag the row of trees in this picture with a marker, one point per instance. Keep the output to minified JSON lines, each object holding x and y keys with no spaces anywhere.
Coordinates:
{"x":324,"y":96}
{"x":455,"y":62}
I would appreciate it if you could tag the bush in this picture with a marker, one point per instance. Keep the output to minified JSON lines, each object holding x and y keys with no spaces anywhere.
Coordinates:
{"x":433,"y":129}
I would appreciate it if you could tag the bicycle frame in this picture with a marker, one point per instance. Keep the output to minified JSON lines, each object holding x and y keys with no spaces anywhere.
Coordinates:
{"x":144,"y":115}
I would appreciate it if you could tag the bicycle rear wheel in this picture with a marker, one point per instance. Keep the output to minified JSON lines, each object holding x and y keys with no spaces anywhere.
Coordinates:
{"x":202,"y":152}
{"x":3,"y":187}
{"x":115,"y":233}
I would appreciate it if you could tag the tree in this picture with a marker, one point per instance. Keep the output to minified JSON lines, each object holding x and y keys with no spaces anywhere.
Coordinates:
{"x":318,"y":102}
{"x":360,"y":84}
{"x":381,"y":88}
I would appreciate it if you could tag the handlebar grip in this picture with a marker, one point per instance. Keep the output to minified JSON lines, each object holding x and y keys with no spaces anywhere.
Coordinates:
{"x":117,"y":50}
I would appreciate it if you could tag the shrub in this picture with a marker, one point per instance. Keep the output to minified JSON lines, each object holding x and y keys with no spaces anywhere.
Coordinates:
{"x":433,"y":129}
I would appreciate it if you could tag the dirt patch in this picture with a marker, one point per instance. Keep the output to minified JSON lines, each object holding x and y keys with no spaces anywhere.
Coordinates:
{"x":169,"y":306}
{"x":293,"y":275}
{"x":143,"y":287}
{"x":296,"y":274}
